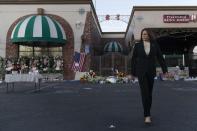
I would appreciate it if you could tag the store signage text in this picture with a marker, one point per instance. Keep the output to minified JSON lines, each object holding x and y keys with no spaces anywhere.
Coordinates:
{"x":176,"y":18}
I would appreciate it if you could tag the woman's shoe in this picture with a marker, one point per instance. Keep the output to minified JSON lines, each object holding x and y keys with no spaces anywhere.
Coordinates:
{"x":147,"y":120}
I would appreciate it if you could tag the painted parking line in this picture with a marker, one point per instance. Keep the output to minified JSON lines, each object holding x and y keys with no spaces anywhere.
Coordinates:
{"x":65,"y":91}
{"x":185,"y":89}
{"x":87,"y":88}
{"x":43,"y":87}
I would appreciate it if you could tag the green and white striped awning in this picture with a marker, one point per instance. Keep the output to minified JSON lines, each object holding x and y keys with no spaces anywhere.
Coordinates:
{"x":113,"y":46}
{"x":37,"y":30}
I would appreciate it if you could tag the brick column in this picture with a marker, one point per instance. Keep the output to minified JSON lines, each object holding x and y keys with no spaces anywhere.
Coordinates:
{"x":90,"y":37}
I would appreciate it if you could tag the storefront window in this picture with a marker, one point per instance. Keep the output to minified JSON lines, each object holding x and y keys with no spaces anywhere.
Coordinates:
{"x":174,"y":60}
{"x":39,"y":51}
{"x":25,"y":49}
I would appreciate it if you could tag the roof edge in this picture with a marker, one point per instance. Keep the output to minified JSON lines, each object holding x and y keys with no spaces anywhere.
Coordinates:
{"x":44,"y":2}
{"x":96,"y":17}
{"x":161,"y":8}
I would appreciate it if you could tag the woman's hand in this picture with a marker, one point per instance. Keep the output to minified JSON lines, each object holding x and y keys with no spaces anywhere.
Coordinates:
{"x":166,"y":74}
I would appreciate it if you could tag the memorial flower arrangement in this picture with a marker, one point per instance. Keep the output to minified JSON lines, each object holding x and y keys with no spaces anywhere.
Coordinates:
{"x":89,"y":77}
{"x":92,"y":74}
{"x":120,"y":74}
{"x":83,"y":79}
{"x":92,"y":77}
{"x":121,"y":77}
{"x":170,"y":76}
{"x":183,"y":74}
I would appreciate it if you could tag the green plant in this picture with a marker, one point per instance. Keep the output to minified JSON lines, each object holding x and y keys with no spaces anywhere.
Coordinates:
{"x":2,"y":68}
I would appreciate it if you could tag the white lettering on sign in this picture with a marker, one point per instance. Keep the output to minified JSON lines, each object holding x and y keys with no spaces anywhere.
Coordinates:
{"x":176,"y":18}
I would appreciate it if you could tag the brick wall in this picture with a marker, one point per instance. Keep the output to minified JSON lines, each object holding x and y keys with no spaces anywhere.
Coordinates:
{"x":12,"y":49}
{"x":92,"y":38}
{"x":68,"y":49}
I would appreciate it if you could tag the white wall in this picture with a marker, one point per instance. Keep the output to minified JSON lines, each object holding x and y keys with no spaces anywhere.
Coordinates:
{"x":130,"y":32}
{"x":10,"y":13}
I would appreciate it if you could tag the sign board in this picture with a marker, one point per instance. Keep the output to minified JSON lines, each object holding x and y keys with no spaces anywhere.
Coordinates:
{"x":176,"y":18}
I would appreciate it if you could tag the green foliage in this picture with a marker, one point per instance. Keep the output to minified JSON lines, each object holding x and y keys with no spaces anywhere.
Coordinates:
{"x":2,"y":68}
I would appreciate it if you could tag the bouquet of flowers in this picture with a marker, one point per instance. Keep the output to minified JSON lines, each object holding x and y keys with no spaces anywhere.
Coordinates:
{"x":92,"y":74}
{"x":121,"y":77}
{"x":120,"y":74}
{"x":84,"y":78}
{"x":170,"y":76}
{"x":92,"y":78}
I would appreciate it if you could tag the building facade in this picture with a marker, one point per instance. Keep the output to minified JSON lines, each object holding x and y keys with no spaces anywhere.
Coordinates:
{"x":175,"y":29}
{"x":77,"y":18}
{"x":68,"y":26}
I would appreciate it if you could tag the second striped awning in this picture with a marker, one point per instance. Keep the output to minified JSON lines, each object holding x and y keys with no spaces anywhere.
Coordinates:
{"x":113,"y":46}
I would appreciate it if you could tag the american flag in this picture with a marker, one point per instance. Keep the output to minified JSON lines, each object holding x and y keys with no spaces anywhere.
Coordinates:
{"x":78,"y":61}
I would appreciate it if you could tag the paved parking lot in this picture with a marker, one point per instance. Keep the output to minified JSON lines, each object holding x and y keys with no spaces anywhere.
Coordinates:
{"x":71,"y":106}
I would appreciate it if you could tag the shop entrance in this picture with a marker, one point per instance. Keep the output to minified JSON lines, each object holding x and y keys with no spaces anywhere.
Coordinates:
{"x":177,"y":45}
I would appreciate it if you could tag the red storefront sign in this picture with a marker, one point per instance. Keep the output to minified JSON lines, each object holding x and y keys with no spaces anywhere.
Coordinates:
{"x":176,"y":18}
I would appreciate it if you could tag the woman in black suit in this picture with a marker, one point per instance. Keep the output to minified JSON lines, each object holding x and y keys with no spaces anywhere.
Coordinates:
{"x":143,"y":66}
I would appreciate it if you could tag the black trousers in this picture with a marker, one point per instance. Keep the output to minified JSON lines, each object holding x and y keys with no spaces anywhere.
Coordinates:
{"x":146,"y":86}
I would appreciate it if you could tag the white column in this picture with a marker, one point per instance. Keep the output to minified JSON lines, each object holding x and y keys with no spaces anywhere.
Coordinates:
{"x":125,"y":60}
{"x":100,"y":64}
{"x":183,"y":60}
{"x":113,"y":63}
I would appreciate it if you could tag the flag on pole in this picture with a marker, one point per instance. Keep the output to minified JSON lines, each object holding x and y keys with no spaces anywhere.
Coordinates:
{"x":78,"y":61}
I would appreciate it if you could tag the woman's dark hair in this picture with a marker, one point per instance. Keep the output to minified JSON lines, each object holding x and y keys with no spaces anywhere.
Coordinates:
{"x":150,"y":35}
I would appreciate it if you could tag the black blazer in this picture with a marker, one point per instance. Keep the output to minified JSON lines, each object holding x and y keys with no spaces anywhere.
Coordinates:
{"x":142,"y":63}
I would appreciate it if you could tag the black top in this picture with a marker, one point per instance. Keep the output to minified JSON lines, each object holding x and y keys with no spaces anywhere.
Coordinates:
{"x":142,"y":63}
